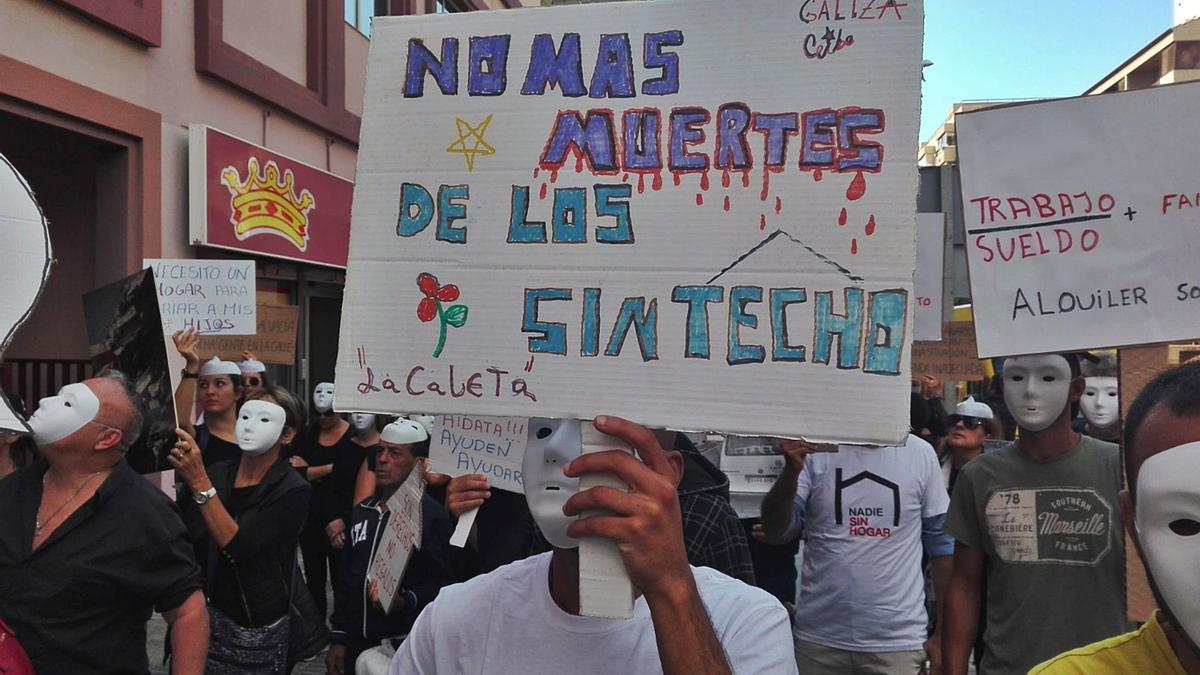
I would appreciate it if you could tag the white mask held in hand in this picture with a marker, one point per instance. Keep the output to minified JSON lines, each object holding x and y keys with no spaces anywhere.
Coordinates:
{"x":361,"y":422}
{"x":1100,"y":403}
{"x":551,"y":447}
{"x":1036,"y":389}
{"x":259,"y":426}
{"x":1167,"y":520}
{"x":62,"y":415}
{"x":323,"y":397}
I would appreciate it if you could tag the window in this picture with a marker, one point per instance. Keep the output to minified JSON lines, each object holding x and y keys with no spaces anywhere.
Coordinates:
{"x":449,"y":6}
{"x":359,"y":14}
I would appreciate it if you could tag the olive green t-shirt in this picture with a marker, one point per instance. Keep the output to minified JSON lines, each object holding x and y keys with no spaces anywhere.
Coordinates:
{"x":1052,"y":536}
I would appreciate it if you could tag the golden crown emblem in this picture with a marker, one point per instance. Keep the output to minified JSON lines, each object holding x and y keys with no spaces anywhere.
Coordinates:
{"x":265,"y":204}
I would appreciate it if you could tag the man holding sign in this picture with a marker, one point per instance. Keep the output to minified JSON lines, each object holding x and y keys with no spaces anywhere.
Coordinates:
{"x":359,"y":621}
{"x":524,"y":617}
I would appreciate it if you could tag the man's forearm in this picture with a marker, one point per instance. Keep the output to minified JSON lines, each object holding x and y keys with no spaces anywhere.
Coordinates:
{"x":942,"y":567}
{"x":189,"y":635}
{"x":777,"y":506}
{"x":687,"y":643}
{"x":961,"y":618}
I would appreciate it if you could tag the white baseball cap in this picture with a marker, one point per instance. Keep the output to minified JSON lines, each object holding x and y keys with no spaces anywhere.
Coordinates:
{"x":216,"y":366}
{"x":969,"y":407}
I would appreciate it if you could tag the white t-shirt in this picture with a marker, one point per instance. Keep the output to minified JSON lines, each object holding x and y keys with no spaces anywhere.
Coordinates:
{"x":861,"y":588}
{"x":507,"y":622}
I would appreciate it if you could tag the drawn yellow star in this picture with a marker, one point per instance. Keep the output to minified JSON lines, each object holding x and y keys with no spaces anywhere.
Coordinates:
{"x":466,"y":133}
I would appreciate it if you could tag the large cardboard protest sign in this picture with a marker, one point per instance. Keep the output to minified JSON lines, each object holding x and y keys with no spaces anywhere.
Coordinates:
{"x":927,"y":278}
{"x":1080,"y":221}
{"x":953,"y":358}
{"x":692,"y":214}
{"x":401,"y":535}
{"x":274,"y":340}
{"x":26,"y":242}
{"x":124,"y":332}
{"x":216,"y":297}
{"x":469,"y":444}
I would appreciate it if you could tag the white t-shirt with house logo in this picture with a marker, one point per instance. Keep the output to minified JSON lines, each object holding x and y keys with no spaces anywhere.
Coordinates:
{"x":861,"y":588}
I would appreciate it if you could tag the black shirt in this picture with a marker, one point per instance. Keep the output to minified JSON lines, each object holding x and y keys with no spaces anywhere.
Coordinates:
{"x":333,"y":495}
{"x":79,"y":603}
{"x":214,"y":449}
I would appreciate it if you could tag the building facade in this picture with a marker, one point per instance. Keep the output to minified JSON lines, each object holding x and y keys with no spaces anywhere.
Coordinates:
{"x":97,"y":98}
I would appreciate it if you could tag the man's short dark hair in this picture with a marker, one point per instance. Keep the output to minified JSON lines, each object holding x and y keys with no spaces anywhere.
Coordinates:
{"x":133,"y":430}
{"x":1178,"y":389}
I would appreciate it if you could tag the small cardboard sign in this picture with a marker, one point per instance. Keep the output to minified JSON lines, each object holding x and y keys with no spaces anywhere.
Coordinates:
{"x":633,"y":209}
{"x":124,"y":333}
{"x":27,"y":260}
{"x":400,"y":536}
{"x":216,"y":297}
{"x":274,"y":342}
{"x":492,"y":446}
{"x":927,"y":277}
{"x":1080,"y":219}
{"x":953,"y":358}
{"x":752,"y":464}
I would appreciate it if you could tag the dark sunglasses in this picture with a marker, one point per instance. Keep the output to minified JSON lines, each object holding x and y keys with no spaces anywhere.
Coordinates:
{"x":252,"y":381}
{"x":967,"y":422}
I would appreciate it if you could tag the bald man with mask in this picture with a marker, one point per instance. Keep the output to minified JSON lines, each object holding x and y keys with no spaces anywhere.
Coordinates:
{"x":88,"y":547}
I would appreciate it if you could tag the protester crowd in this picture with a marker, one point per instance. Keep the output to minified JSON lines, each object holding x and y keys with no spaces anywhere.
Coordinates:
{"x":949,"y":552}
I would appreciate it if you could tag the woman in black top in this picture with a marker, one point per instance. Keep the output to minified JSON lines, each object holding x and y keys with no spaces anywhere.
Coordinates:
{"x":220,"y":386}
{"x":245,"y":518}
{"x":328,"y":457}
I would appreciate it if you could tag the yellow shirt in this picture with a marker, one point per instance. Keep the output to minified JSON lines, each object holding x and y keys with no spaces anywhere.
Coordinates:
{"x":1145,"y":650}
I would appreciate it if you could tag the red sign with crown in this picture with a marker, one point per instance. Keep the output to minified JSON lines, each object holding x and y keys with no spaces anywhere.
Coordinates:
{"x":246,"y":198}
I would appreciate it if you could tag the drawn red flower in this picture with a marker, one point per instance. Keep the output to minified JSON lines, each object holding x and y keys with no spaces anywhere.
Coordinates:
{"x":427,"y":309}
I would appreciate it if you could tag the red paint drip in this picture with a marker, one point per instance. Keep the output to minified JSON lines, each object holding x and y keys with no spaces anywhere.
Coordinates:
{"x":858,"y":187}
{"x":699,"y":199}
{"x":842,"y":217}
{"x":778,"y":205}
{"x":817,"y":175}
{"x":854,"y":247}
{"x":579,"y":164}
{"x":542,"y":192}
{"x":553,"y":175}
{"x":657,"y":184}
{"x":675,"y":174}
{"x":725,"y":178}
{"x":641,"y":183}
{"x":870,"y":228}
{"x":762,"y":221}
{"x":535,"y":171}
{"x":726,"y":202}
{"x":766,"y":185}
{"x":704,"y":181}
{"x":624,"y":178}
{"x":746,"y":178}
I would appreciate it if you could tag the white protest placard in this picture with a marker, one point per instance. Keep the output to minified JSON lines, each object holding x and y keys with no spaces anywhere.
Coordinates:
{"x":1080,"y":220}
{"x":492,"y":446}
{"x":927,"y":278}
{"x":401,"y":535}
{"x":752,"y":464}
{"x":216,"y":297}
{"x":697,"y":215}
{"x":26,"y":243}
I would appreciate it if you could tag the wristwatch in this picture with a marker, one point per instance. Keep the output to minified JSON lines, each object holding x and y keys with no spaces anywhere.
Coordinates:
{"x":188,"y":375}
{"x":201,"y":498}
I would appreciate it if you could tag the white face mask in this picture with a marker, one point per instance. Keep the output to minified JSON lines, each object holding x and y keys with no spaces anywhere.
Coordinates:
{"x":552,"y":445}
{"x":259,"y":426}
{"x":1100,"y":403}
{"x":1167,"y":519}
{"x":60,"y":416}
{"x":1036,"y":389}
{"x":323,"y":397}
{"x":361,"y":422}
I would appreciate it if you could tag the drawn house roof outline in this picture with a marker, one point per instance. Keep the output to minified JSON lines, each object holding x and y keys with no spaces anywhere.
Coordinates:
{"x":781,"y":235}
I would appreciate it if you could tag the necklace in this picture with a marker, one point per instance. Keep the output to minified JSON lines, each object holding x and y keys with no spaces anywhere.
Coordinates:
{"x":39,"y":524}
